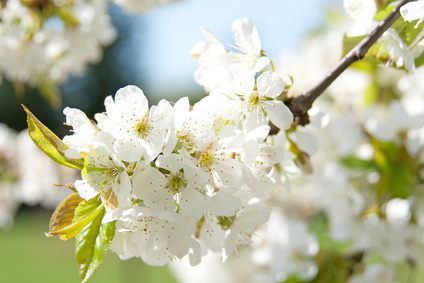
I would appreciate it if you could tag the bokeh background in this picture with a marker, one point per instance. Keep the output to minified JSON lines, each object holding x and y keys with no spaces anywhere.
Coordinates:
{"x":153,"y":52}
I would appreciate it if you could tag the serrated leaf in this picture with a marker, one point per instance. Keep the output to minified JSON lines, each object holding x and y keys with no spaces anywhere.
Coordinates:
{"x":83,"y":214}
{"x":92,"y":245}
{"x":49,"y":143}
{"x":87,"y":208}
{"x":63,"y":215}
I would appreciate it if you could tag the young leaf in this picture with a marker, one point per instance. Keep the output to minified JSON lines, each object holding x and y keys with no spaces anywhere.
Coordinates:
{"x":83,"y":214}
{"x":92,"y":245}
{"x":49,"y":143}
{"x":63,"y":215}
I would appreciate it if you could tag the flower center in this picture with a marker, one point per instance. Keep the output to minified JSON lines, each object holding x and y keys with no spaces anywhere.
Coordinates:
{"x":142,"y":127}
{"x":253,"y":100}
{"x":225,"y":222}
{"x":176,"y":182}
{"x":206,"y":159}
{"x":185,"y":139}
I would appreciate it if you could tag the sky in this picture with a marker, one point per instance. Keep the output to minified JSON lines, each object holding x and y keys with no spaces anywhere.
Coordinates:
{"x":169,"y":32}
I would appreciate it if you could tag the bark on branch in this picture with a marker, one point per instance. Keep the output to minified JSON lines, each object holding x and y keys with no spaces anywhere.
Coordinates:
{"x":300,"y":105}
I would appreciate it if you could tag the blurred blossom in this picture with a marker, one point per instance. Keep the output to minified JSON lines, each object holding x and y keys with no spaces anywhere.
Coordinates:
{"x":27,"y":176}
{"x":45,"y":48}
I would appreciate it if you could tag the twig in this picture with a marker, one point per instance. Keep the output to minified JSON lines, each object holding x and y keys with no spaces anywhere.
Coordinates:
{"x":300,"y":105}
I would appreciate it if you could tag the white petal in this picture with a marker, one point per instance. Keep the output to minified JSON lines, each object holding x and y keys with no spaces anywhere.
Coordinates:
{"x":230,"y":244}
{"x":279,"y":114}
{"x":192,"y":203}
{"x":413,"y":11}
{"x":307,"y":142}
{"x":212,"y":234}
{"x":194,"y":253}
{"x":181,"y":112}
{"x":131,"y":100}
{"x":259,"y":133}
{"x":123,"y":191}
{"x":79,"y":121}
{"x":270,"y":84}
{"x":172,"y":162}
{"x":85,"y":190}
{"x":149,"y":185}
{"x":252,"y":218}
{"x":246,"y":36}
{"x":128,"y":151}
{"x":224,"y":204}
{"x":250,"y":151}
{"x":362,"y":12}
{"x":228,"y":173}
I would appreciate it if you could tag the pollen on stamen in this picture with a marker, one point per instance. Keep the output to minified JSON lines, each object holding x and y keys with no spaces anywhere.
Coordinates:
{"x":176,"y":182}
{"x":142,"y":127}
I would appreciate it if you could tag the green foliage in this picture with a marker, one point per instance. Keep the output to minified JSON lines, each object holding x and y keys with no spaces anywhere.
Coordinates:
{"x":92,"y":245}
{"x":319,"y":226}
{"x":49,"y":143}
{"x":419,"y":61}
{"x":398,"y":171}
{"x":333,"y":268}
{"x":293,"y":279}
{"x":88,"y":209}
{"x":61,"y":221}
{"x":408,"y":31}
{"x":384,"y":11}
{"x":72,"y":215}
{"x":355,"y":162}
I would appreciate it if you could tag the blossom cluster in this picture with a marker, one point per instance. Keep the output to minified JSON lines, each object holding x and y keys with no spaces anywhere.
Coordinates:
{"x":42,"y":43}
{"x":358,"y":216}
{"x":45,"y":42}
{"x":23,"y":183}
{"x":181,"y":179}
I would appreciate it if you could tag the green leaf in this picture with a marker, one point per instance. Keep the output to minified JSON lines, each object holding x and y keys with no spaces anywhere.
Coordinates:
{"x":408,"y":31}
{"x":358,"y":163}
{"x":82,"y":213}
{"x":384,"y":12}
{"x":87,"y":209}
{"x":398,"y":171}
{"x":319,"y":226}
{"x":92,"y":245}
{"x":419,"y":61}
{"x":63,"y":216}
{"x":49,"y":143}
{"x":293,"y":279}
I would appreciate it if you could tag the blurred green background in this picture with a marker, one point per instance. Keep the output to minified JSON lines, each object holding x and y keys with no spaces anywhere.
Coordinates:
{"x":27,"y":255}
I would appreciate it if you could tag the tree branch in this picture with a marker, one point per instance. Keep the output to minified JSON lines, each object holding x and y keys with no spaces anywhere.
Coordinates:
{"x":300,"y":105}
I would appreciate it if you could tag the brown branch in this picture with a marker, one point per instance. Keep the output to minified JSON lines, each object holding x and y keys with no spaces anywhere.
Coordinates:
{"x":300,"y":105}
